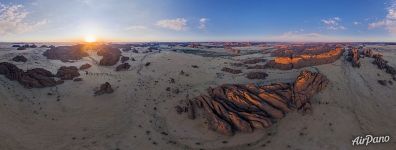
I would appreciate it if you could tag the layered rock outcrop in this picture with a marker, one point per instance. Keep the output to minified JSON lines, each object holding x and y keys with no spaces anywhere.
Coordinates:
{"x":19,"y":58}
{"x":229,"y":70}
{"x":67,"y":73}
{"x":123,"y":67}
{"x":85,"y":66}
{"x":104,"y":88}
{"x":353,"y":57}
{"x":110,"y":56}
{"x":66,"y":53}
{"x":34,"y":78}
{"x":234,"y":108}
{"x":256,"y":75}
{"x":305,"y":60}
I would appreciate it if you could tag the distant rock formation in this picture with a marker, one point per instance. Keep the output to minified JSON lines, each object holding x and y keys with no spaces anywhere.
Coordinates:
{"x":34,"y":78}
{"x":67,"y":73}
{"x":104,"y":89}
{"x":256,"y":75}
{"x":19,"y":58}
{"x":229,"y":70}
{"x":124,"y":59}
{"x":85,"y":66}
{"x":66,"y":53}
{"x":305,"y":60}
{"x":254,"y":61}
{"x":234,"y":108}
{"x":21,"y":48}
{"x":110,"y":55}
{"x":123,"y":67}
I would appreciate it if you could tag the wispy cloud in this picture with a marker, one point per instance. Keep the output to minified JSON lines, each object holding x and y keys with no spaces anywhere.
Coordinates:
{"x":178,"y":24}
{"x":356,"y":23}
{"x":136,"y":28}
{"x":202,"y":23}
{"x":389,"y":22}
{"x":13,"y":20}
{"x":333,"y":23}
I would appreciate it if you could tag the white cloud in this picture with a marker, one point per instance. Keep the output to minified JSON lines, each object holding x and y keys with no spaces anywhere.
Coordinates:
{"x":356,"y":23}
{"x":202,"y":23}
{"x":333,"y":23}
{"x":13,"y":20}
{"x":178,"y":24}
{"x":389,"y":22}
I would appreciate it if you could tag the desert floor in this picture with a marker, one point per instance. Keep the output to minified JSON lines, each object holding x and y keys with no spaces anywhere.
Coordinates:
{"x":140,"y":113}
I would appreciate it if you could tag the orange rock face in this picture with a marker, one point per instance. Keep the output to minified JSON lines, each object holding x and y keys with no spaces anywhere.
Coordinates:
{"x":234,"y":108}
{"x":305,"y":60}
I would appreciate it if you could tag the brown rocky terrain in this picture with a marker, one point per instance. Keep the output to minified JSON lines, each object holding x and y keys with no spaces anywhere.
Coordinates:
{"x":353,"y":57}
{"x":110,"y":55}
{"x":85,"y":66}
{"x":104,"y":88}
{"x":19,"y":58}
{"x":67,"y":73}
{"x":66,"y":53}
{"x":256,"y":75}
{"x":305,"y":60}
{"x":234,"y":108}
{"x":229,"y":70}
{"x":123,"y":67}
{"x":33,"y":78}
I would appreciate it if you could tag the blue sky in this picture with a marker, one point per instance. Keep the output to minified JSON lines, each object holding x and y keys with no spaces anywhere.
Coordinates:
{"x":198,"y":20}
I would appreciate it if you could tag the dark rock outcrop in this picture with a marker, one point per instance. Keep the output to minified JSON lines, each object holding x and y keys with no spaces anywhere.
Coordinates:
{"x":66,"y":53}
{"x":104,"y":88}
{"x":34,"y":78}
{"x":256,"y":75}
{"x":67,"y":73}
{"x":19,"y":58}
{"x":21,"y":48}
{"x":229,"y":70}
{"x":305,"y":60}
{"x":123,"y":67}
{"x":110,"y":55}
{"x":124,"y":59}
{"x":85,"y":66}
{"x":234,"y":108}
{"x":383,"y":65}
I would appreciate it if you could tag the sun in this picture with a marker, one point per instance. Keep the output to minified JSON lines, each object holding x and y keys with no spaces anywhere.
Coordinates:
{"x":90,"y":39}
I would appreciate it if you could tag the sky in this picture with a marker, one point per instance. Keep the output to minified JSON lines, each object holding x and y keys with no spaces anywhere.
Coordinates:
{"x":198,"y":20}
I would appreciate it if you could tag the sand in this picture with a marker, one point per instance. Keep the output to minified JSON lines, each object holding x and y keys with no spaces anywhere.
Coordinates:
{"x":140,"y":113}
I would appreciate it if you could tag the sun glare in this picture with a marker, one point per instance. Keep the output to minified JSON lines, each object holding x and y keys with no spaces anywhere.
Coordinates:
{"x":90,"y":39}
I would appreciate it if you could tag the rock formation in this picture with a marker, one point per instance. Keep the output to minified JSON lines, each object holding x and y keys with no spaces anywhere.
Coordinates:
{"x":19,"y":58}
{"x":34,"y":78}
{"x":383,"y":65}
{"x":66,"y":53}
{"x":305,"y":60}
{"x":123,"y":67}
{"x":256,"y":75}
{"x":229,"y":70}
{"x":85,"y":66}
{"x":234,"y":108}
{"x":353,"y":57}
{"x":110,"y":55}
{"x":67,"y":73}
{"x":105,"y":88}
{"x":124,"y":59}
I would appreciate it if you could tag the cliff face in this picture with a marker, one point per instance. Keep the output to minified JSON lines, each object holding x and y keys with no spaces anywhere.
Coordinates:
{"x":305,"y":60}
{"x":242,"y":108}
